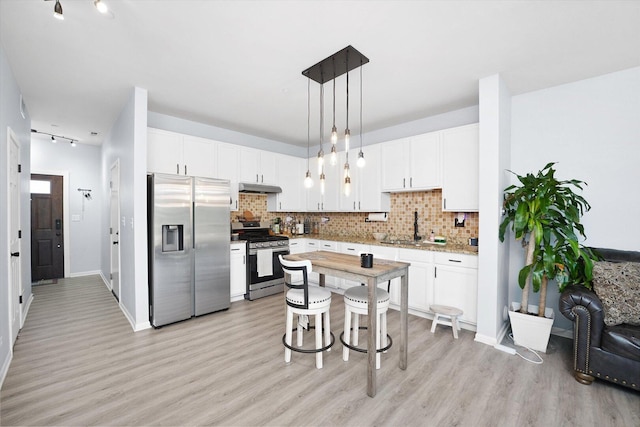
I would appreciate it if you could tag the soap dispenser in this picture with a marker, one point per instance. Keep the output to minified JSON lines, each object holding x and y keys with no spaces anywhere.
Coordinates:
{"x":432,"y":236}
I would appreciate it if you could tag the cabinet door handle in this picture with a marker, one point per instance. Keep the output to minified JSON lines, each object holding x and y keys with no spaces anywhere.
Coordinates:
{"x":455,"y":260}
{"x":322,"y":204}
{"x":15,"y":254}
{"x":236,"y":204}
{"x":403,"y":182}
{"x":262,"y":178}
{"x":235,"y":249}
{"x":177,"y":169}
{"x":411,"y":182}
{"x":185,"y":169}
{"x":280,"y":203}
{"x":244,"y":259}
{"x":354,"y":205}
{"x":435,"y":272}
{"x":257,"y":178}
{"x":318,"y":205}
{"x":444,"y":201}
{"x":359,"y":208}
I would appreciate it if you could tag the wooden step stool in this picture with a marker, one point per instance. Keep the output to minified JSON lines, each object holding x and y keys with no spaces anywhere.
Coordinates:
{"x":446,"y":312}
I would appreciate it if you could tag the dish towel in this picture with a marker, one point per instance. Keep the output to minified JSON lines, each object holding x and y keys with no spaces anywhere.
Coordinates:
{"x":265,"y":262}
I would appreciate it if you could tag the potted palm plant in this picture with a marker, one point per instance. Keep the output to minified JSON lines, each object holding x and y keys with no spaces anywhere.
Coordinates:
{"x":544,"y":213}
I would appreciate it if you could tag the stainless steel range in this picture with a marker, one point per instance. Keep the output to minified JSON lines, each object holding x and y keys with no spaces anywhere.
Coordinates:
{"x":265,"y":276}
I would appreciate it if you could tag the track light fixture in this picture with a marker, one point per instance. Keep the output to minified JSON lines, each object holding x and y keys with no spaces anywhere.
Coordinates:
{"x":54,"y":138}
{"x":99,"y":4}
{"x":330,"y":68}
{"x":57,"y":11}
{"x":102,"y":8}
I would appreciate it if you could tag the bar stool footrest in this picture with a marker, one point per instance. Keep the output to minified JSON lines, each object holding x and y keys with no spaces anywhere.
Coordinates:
{"x":364,"y":350}
{"x":313,"y":350}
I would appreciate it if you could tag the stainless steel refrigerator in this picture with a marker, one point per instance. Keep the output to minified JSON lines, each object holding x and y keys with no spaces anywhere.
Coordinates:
{"x":188,"y":220}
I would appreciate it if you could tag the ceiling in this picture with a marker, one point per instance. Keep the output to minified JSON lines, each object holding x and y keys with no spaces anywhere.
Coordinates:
{"x":238,"y":64}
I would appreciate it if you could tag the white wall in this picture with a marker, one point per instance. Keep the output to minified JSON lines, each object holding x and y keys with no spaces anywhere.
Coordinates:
{"x":592,"y":129}
{"x":127,"y":141}
{"x":450,"y":119}
{"x":10,"y":117}
{"x":494,"y":149}
{"x":82,"y":165}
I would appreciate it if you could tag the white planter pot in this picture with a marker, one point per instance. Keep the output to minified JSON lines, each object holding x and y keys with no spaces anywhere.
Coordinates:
{"x":531,"y":331}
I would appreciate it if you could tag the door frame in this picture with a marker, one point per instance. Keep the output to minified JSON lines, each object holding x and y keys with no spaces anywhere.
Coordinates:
{"x":65,"y":214}
{"x":115,"y":166}
{"x":13,"y":299}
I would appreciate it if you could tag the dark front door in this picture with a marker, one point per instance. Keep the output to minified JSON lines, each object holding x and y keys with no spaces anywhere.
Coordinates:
{"x":47,"y":231}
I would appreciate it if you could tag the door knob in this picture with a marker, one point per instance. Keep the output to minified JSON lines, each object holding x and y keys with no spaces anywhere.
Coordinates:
{"x":15,"y":253}
{"x":115,"y":243}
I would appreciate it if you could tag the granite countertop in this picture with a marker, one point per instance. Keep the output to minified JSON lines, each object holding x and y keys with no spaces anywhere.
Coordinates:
{"x":448,"y":247}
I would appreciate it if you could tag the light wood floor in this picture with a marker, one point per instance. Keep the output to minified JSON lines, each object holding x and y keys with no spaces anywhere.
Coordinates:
{"x":77,"y":362}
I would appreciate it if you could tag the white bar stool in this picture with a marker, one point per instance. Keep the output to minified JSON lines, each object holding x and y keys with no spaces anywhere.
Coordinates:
{"x":304,"y":300}
{"x":441,"y":312}
{"x":356,"y":302}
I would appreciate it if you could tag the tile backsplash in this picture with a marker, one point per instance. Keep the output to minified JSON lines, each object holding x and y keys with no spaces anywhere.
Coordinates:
{"x":399,"y":224}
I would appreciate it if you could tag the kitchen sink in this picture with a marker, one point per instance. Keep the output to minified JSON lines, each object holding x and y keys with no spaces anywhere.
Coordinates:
{"x":417,"y":243}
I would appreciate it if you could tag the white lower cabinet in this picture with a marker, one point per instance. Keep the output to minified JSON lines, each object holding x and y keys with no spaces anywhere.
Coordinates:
{"x":456,"y":283}
{"x":330,"y":246}
{"x":388,"y":253}
{"x":297,"y":246}
{"x":352,"y":249}
{"x":421,"y":273}
{"x":238,"y":271}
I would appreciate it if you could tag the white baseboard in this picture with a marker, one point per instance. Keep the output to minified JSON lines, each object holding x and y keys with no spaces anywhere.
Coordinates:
{"x":136,"y":326}
{"x":25,"y":310}
{"x":85,"y":273}
{"x":106,"y":282}
{"x":485,"y":339}
{"x":5,"y":366}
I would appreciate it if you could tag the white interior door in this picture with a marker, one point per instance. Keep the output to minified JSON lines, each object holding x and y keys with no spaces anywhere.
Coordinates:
{"x":15,"y":288}
{"x":114,"y":229}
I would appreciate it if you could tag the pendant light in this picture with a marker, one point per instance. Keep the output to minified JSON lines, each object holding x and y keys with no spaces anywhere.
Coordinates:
{"x":321,"y":152}
{"x":347,"y":132}
{"x":334,"y":130}
{"x":361,"y":161}
{"x":102,"y":8}
{"x":308,"y":181}
{"x":321,"y":158}
{"x":57,"y":11}
{"x":328,"y":69}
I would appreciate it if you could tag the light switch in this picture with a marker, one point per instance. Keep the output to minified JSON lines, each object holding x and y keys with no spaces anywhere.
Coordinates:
{"x":75,"y":218}
{"x":124,"y":221}
{"x":132,"y":223}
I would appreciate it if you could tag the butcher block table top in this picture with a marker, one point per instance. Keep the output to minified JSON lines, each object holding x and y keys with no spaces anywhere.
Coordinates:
{"x":348,"y":267}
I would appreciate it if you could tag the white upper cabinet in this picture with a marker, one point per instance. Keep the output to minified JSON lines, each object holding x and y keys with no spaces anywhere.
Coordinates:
{"x":426,"y":161}
{"x":198,"y":155}
{"x":258,"y":166}
{"x":227,"y":162}
{"x":174,"y":153}
{"x":290,"y":178}
{"x":395,"y":155}
{"x":412,"y":164}
{"x":329,"y":201}
{"x":366,"y":183}
{"x":460,"y":169}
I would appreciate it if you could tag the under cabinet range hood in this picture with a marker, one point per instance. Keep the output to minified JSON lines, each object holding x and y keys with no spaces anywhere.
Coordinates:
{"x":245,"y":187}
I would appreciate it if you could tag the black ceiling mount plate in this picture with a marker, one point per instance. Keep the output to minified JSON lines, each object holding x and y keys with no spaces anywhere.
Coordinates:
{"x":336,"y":65}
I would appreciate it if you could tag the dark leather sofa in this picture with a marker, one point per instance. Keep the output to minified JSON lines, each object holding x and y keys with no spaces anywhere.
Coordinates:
{"x":610,"y":353}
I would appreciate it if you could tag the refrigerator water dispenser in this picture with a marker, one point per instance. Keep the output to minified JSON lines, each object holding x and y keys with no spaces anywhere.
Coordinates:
{"x":172,"y":238}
